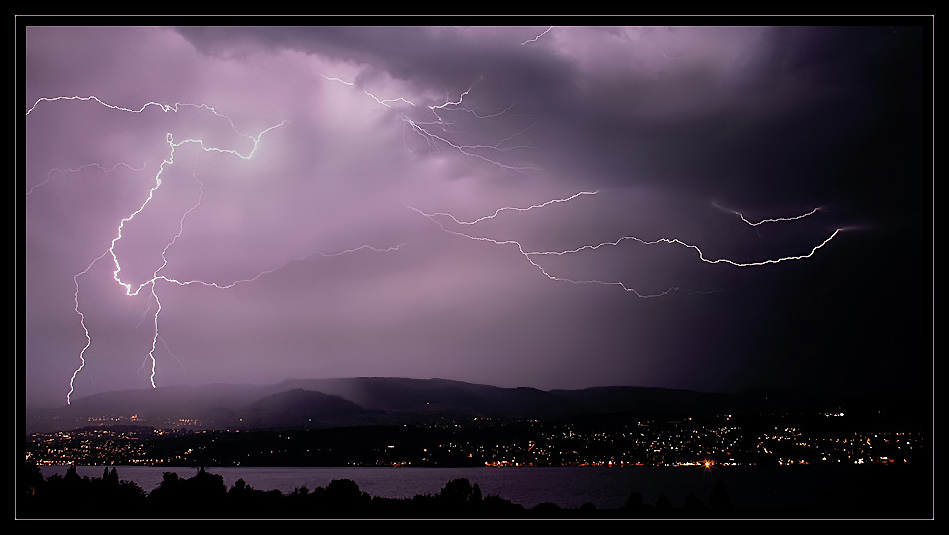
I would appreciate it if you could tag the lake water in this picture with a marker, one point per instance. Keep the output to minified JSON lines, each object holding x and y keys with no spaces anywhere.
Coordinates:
{"x":569,"y":487}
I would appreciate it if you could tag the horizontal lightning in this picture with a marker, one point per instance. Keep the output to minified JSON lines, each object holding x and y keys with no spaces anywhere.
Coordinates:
{"x":529,"y":254}
{"x":104,"y":169}
{"x":512,"y":208}
{"x":278,"y":267}
{"x":763,"y":221}
{"x":690,"y":246}
{"x":163,"y":107}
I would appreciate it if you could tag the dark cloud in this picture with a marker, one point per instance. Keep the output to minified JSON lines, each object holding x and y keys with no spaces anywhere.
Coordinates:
{"x":677,"y":129}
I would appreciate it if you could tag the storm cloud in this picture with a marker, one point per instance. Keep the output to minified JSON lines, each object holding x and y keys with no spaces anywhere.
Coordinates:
{"x":327,"y":201}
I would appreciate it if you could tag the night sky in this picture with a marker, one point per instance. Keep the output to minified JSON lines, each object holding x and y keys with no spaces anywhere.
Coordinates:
{"x":283,"y":202}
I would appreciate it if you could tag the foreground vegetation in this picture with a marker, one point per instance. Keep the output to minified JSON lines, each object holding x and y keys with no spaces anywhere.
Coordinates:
{"x":205,"y":496}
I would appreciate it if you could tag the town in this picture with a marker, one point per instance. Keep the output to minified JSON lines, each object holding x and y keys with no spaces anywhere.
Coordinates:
{"x":722,"y":440}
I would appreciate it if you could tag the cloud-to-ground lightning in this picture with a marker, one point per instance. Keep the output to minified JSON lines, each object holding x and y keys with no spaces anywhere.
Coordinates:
{"x":118,"y":236}
{"x":426,"y":129}
{"x":132,"y":289}
{"x":82,"y":323}
{"x":543,"y":206}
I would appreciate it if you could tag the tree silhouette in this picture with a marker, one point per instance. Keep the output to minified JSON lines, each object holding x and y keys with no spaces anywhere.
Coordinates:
{"x":663,"y":505}
{"x":341,"y":498}
{"x":459,"y":493}
{"x":636,"y":507}
{"x":202,"y":495}
{"x":718,"y":500}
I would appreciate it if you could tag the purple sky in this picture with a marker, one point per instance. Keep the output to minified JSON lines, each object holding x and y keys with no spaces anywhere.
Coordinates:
{"x":330,"y":201}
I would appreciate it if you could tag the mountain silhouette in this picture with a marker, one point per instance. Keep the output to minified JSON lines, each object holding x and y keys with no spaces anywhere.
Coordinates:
{"x":387,"y":400}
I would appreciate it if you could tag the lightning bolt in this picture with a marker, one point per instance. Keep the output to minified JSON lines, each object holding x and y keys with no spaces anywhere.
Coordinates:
{"x":164,"y":107}
{"x":280,"y":266}
{"x":512,"y":208}
{"x":104,"y":169}
{"x":463,"y":149}
{"x":151,"y":283}
{"x":436,"y":133}
{"x":528,"y":255}
{"x":694,"y":247}
{"x":82,"y":323}
{"x":151,"y":193}
{"x":426,"y":128}
{"x":157,"y":183}
{"x":533,"y":39}
{"x":773,"y":220}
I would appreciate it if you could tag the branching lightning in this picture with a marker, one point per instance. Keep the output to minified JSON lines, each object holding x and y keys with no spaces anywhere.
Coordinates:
{"x":425,"y":128}
{"x":158,"y":181}
{"x":463,"y":149}
{"x":528,"y":255}
{"x":151,"y":283}
{"x":435,"y":132}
